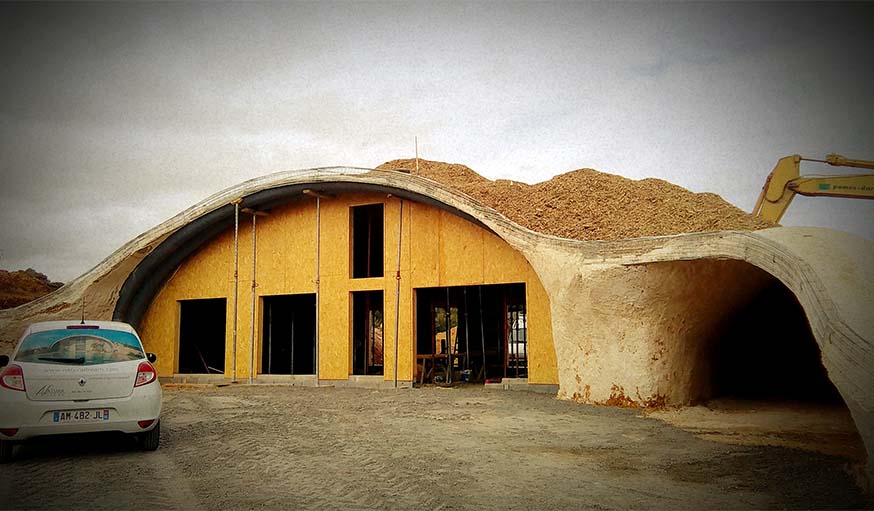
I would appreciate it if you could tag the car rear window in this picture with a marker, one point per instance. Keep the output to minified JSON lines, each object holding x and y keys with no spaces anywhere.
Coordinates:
{"x":79,"y":347}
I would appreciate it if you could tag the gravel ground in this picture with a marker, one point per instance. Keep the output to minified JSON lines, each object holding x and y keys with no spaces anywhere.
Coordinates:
{"x":247,"y":447}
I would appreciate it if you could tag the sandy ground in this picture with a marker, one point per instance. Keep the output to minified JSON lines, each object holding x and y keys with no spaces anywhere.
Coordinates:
{"x":247,"y":447}
{"x":827,"y":429}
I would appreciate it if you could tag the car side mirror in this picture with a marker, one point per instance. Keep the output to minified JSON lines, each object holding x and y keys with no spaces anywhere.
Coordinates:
{"x":4,"y":360}
{"x":151,"y":357}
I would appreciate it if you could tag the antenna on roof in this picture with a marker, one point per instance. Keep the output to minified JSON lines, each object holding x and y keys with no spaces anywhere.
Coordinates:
{"x":417,"y":154}
{"x":83,"y":309}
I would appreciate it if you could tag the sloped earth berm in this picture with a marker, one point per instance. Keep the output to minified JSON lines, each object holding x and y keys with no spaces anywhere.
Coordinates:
{"x":249,"y":447}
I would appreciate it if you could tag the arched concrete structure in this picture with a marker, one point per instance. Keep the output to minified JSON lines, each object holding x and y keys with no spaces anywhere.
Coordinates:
{"x":831,"y":274}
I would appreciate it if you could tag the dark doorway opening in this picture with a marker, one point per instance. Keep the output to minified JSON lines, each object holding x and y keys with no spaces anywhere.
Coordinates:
{"x":288,"y":339}
{"x":768,"y":352}
{"x":367,"y":241}
{"x":471,"y":333}
{"x":202,"y":328}
{"x":367,"y":333}
{"x":760,"y":370}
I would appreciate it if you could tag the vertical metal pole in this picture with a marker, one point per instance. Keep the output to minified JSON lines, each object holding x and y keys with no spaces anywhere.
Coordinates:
{"x":398,"y":291}
{"x":511,"y":335}
{"x":236,"y":285}
{"x":254,"y":284}
{"x":525,"y":343}
{"x":318,"y":254}
{"x":506,"y":341}
{"x":448,"y":339}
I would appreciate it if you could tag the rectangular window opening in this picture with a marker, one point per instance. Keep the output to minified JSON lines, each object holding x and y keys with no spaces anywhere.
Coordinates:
{"x":367,"y":333}
{"x":367,"y":241}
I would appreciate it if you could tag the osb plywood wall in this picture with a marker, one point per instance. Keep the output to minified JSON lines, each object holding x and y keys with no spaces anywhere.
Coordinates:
{"x":438,"y":249}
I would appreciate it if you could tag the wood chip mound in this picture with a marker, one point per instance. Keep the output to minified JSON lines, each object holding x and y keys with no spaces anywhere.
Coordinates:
{"x":586,"y":204}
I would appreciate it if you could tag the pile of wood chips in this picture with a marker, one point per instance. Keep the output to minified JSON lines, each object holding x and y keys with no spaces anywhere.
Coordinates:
{"x":589,"y":205}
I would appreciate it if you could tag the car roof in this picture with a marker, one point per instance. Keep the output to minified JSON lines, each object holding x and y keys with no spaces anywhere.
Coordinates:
{"x":62,"y":325}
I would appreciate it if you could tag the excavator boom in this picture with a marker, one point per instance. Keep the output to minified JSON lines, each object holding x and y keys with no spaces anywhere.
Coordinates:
{"x":853,"y":187}
{"x":784,"y":182}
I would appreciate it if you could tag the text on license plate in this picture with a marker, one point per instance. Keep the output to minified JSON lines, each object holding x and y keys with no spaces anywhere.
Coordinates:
{"x":81,"y":415}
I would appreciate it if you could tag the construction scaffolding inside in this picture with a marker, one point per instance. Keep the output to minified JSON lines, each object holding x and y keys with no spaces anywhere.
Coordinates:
{"x":471,"y":333}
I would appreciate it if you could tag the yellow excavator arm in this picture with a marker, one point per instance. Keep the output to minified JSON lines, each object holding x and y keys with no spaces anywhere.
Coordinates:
{"x":784,"y":182}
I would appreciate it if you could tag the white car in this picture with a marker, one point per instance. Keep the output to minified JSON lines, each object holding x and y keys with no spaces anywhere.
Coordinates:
{"x":78,"y":377}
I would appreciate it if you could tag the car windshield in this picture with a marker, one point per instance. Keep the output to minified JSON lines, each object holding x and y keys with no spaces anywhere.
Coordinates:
{"x":79,"y":347}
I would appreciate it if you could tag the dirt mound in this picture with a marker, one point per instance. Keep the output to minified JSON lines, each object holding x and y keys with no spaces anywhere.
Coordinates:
{"x":589,"y":205}
{"x":22,"y":286}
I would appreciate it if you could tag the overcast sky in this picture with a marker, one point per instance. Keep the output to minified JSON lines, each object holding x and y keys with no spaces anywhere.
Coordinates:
{"x":114,"y":117}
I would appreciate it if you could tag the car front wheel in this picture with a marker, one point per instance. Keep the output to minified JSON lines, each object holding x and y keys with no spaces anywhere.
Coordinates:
{"x":150,"y":439}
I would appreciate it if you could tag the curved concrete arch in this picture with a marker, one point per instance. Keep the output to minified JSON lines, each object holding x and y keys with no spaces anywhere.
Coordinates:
{"x":831,"y":273}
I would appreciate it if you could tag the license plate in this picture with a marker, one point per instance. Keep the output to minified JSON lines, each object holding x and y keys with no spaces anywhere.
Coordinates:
{"x":99,"y":415}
